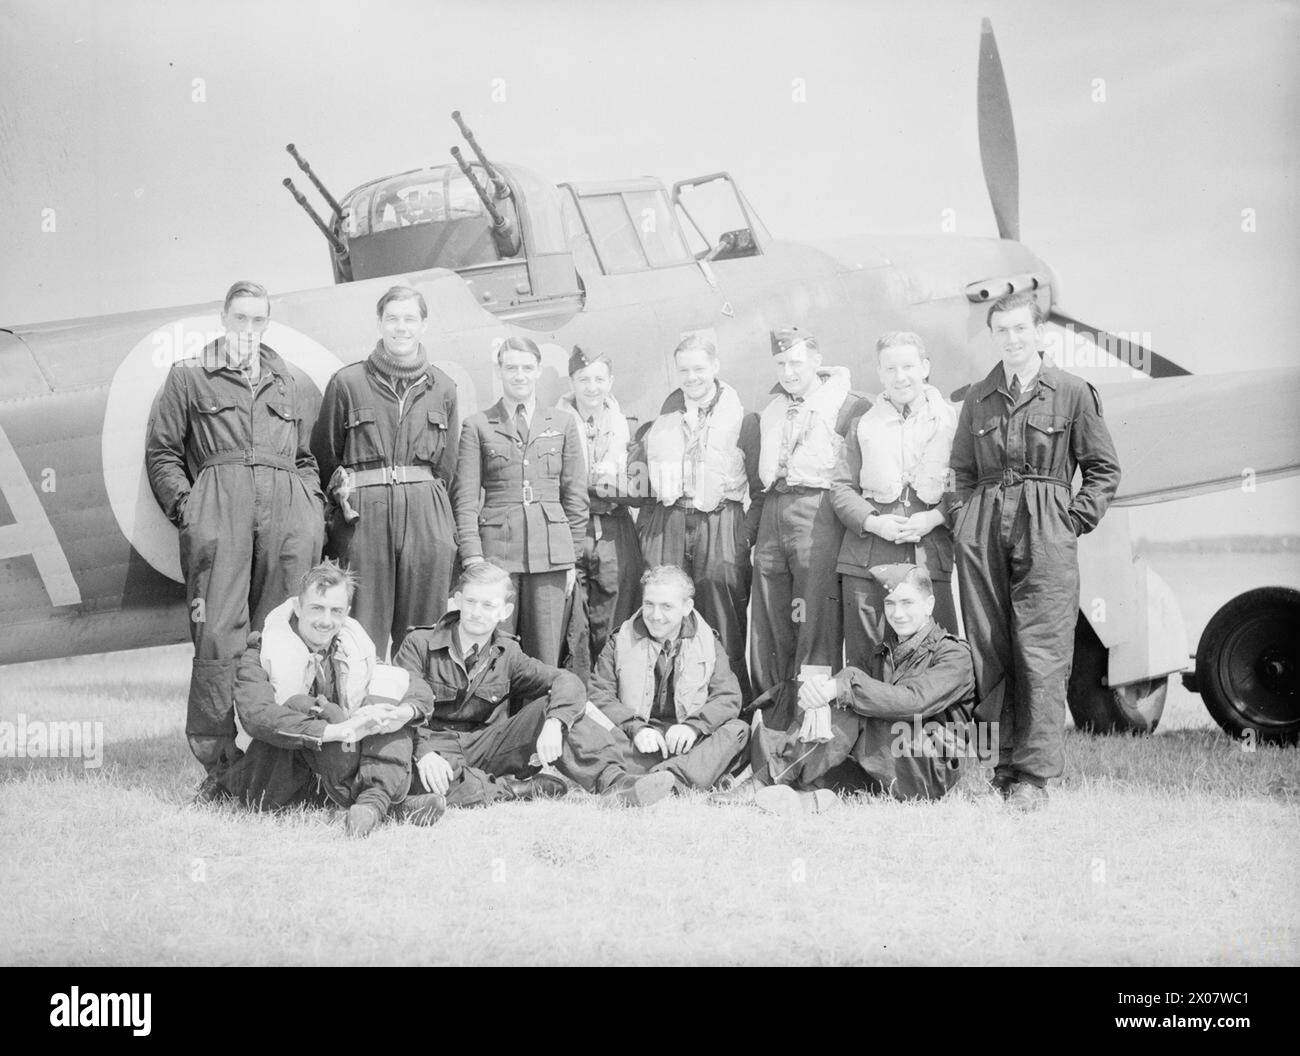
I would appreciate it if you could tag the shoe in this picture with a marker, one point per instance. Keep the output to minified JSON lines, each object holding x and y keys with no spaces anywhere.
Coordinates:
{"x":362,"y":820}
{"x":741,"y":795}
{"x":784,"y":800}
{"x":644,"y":791}
{"x":539,"y":786}
{"x":975,"y":786}
{"x":1025,"y":798}
{"x":424,"y":809}
{"x":210,"y":790}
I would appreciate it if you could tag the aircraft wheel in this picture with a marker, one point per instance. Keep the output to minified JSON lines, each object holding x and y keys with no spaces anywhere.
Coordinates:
{"x":1099,"y":708}
{"x":1248,"y":665}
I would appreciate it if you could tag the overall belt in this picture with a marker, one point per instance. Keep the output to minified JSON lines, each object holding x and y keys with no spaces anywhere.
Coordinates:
{"x":369,"y":478}
{"x":249,"y":456}
{"x":1010,"y":477}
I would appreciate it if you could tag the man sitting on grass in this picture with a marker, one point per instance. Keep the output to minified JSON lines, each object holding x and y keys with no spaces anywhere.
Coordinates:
{"x":472,"y":749}
{"x":303,"y":692}
{"x":664,"y":682}
{"x":900,"y":728}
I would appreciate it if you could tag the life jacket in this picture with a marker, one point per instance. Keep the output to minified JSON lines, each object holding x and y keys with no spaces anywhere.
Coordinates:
{"x":814,"y":445}
{"x":605,"y":455}
{"x":634,"y":662}
{"x":897,"y":451}
{"x":287,"y":660}
{"x":708,"y":457}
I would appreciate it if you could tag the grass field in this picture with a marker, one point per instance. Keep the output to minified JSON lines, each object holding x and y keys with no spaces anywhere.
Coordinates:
{"x":1176,"y":849}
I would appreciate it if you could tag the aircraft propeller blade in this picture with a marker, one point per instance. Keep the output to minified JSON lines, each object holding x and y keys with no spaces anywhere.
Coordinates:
{"x":998,"y":137}
{"x":1130,"y":352}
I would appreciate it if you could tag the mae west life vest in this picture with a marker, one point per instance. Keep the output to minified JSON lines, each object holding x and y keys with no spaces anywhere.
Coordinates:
{"x":635,"y":657}
{"x":704,"y":459}
{"x":808,"y":436}
{"x":914,"y":451}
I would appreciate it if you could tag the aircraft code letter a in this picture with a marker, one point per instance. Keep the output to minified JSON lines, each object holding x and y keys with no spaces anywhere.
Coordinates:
{"x":31,"y":532}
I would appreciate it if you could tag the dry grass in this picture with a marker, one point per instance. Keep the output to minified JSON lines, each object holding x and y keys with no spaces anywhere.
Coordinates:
{"x":1175,"y":849}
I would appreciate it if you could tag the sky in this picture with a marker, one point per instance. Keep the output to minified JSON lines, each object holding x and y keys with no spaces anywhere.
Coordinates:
{"x":155,"y":131}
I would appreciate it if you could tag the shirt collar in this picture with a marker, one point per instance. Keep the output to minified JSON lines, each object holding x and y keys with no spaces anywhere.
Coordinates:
{"x":530,"y":408}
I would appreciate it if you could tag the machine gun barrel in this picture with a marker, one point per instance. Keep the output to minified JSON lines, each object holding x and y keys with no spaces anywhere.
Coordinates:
{"x":330,"y":200}
{"x":503,"y":231}
{"x":330,"y":236}
{"x":499,"y":187}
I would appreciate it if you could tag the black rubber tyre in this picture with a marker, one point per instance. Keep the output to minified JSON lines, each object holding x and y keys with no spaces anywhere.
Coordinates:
{"x":1099,"y":708}
{"x":1248,"y":665}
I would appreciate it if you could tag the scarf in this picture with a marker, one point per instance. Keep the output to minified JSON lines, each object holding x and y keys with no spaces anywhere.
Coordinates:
{"x":383,"y":362}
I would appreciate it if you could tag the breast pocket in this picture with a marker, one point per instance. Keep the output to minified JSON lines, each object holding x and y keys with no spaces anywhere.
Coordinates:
{"x":216,"y":422}
{"x":550,"y":455}
{"x":1046,"y":442}
{"x":361,"y":440}
{"x":283,"y":427}
{"x":433,"y":437}
{"x":987,"y":438}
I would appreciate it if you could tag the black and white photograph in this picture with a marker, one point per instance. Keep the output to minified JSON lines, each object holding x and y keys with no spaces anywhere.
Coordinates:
{"x":488,"y":483}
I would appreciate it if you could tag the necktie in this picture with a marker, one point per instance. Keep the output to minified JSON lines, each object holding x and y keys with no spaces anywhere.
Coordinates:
{"x":663,"y":672}
{"x":1015,"y":387}
{"x":521,"y":423}
{"x":471,"y":658}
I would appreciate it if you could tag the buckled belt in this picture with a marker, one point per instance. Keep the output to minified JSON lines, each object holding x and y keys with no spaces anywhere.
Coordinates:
{"x":369,"y":478}
{"x":249,"y":456}
{"x":784,"y":487}
{"x":1010,"y":477}
{"x":689,"y":506}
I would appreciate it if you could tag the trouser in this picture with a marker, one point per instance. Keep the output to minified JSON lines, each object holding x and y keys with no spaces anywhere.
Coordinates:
{"x":612,"y":562}
{"x":402,"y":547}
{"x":1018,"y":570}
{"x":709,"y":758}
{"x":713,"y":550}
{"x":588,"y":755}
{"x":376,"y":771}
{"x":538,"y":615}
{"x":248,"y":535}
{"x":864,"y":754}
{"x":796,"y":617}
{"x":864,"y":615}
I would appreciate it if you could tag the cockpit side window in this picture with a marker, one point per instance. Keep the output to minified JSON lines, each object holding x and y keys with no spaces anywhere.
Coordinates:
{"x":613,"y":234}
{"x":654,"y":222}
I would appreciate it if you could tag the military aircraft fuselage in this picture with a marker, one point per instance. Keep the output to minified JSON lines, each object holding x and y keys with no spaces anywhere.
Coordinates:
{"x":89,"y":564}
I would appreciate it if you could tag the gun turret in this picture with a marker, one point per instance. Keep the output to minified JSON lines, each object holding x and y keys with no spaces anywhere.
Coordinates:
{"x":330,"y":236}
{"x":504,"y":233}
{"x":500,"y":189}
{"x":302,"y":164}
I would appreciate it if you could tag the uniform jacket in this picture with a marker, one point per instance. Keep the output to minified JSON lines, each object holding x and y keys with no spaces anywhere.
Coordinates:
{"x":267,"y":717}
{"x":816,"y":432}
{"x":931,"y":673}
{"x":288,"y":661}
{"x":468,"y":701}
{"x":862,"y":549}
{"x":1051,"y":430}
{"x":208,"y":416}
{"x":493,"y":520}
{"x":706,"y":693}
{"x":363,"y":424}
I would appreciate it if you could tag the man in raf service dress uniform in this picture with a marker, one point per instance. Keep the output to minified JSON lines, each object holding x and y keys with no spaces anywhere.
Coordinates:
{"x":229,"y":462}
{"x":521,"y":498}
{"x":386,"y":440}
{"x":1022,"y":433}
{"x":796,"y":617}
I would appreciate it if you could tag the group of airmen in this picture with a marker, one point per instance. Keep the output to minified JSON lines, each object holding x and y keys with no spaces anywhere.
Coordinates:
{"x":775,"y":624}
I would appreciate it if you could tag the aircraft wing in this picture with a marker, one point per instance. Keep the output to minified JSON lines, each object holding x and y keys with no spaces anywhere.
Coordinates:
{"x":1205,"y":432}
